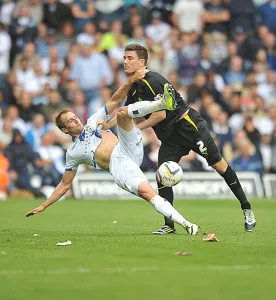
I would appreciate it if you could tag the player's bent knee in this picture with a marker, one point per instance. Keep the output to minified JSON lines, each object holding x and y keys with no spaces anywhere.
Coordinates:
{"x":220,"y":166}
{"x":123,"y":108}
{"x":146,"y":191}
{"x":123,"y":114}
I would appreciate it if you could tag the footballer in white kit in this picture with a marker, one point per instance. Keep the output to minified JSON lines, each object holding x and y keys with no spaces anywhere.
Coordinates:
{"x":126,"y":156}
{"x":96,"y":146}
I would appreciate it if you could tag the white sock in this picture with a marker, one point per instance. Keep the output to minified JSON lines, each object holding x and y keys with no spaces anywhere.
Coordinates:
{"x":140,"y":109}
{"x":166,"y":209}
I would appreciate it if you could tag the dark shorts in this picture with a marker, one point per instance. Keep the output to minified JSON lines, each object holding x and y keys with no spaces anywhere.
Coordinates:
{"x":190,"y":133}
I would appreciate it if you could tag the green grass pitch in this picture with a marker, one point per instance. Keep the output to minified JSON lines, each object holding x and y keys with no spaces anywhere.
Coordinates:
{"x":122,"y":260}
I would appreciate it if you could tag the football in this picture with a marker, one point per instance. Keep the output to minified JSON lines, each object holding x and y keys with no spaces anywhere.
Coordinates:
{"x":169,"y":173}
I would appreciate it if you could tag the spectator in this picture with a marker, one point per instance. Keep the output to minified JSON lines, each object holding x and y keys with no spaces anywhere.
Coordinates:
{"x":6,"y":133}
{"x":4,"y":176}
{"x":130,"y":24}
{"x":247,"y":46}
{"x":29,"y":53}
{"x":266,"y":152}
{"x":218,"y":48}
{"x":81,"y":72}
{"x":6,"y":12}
{"x":138,"y":36}
{"x":242,"y":14}
{"x":252,"y":132}
{"x":235,"y":74}
{"x":36,"y":86}
{"x":79,"y":106}
{"x":186,"y":15}
{"x":246,"y":160}
{"x":157,"y":30}
{"x":267,"y":88}
{"x":117,"y":52}
{"x":22,"y":161}
{"x":52,"y":158}
{"x":55,"y":103}
{"x":26,"y":108}
{"x":115,"y":10}
{"x":84,"y":12}
{"x":44,"y":45}
{"x":109,"y":39}
{"x":37,"y":129}
{"x":222,"y":129}
{"x":270,"y":45}
{"x":56,"y":13}
{"x":215,"y":17}
{"x":188,"y":59}
{"x":195,"y":89}
{"x":5,"y":47}
{"x":205,"y":63}
{"x":67,"y":37}
{"x":17,"y":122}
{"x":35,"y":9}
{"x":53,"y":56}
{"x":22,"y":29}
{"x":24,"y":73}
{"x":267,"y":13}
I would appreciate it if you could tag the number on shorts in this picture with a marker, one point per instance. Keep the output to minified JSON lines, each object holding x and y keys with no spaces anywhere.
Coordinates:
{"x":201,"y":147}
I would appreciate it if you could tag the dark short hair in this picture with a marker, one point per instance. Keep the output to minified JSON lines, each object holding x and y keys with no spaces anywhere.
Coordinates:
{"x":58,"y":120}
{"x":141,"y":51}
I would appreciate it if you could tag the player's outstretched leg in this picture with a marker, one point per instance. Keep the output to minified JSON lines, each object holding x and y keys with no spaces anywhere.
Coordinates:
{"x":233,"y":182}
{"x":161,"y":102}
{"x":164,"y":207}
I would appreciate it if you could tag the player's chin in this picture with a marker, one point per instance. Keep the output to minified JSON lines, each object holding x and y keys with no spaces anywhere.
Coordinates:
{"x":129,"y":73}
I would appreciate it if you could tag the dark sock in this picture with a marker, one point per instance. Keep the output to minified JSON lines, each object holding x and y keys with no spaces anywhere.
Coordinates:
{"x":233,"y":182}
{"x":166,"y":193}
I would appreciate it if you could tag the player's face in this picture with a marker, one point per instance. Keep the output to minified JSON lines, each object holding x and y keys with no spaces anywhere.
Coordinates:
{"x":132,"y":62}
{"x":73,"y":125}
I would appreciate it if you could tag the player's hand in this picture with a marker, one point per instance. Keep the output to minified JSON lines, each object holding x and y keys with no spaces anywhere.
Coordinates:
{"x":103,"y":124}
{"x":138,"y":75}
{"x":35,"y":211}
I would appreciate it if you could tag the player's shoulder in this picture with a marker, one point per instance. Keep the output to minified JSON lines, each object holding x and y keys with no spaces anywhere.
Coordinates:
{"x":152,"y":77}
{"x":70,"y":152}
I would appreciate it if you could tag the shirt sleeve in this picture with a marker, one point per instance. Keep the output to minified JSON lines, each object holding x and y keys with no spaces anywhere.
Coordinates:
{"x":71,"y":163}
{"x":101,"y":114}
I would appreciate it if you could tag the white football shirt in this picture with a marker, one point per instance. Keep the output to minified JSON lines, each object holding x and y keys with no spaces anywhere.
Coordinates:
{"x":84,"y":147}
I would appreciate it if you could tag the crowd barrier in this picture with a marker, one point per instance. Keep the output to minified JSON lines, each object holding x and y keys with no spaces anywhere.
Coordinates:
{"x":201,"y":185}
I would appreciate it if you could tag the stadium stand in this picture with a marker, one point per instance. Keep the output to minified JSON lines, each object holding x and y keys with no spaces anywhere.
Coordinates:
{"x":220,"y":54}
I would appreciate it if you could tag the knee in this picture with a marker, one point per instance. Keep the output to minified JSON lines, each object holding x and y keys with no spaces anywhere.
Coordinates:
{"x":123,"y":108}
{"x":220,"y":166}
{"x":146,"y":191}
{"x":122,"y":113}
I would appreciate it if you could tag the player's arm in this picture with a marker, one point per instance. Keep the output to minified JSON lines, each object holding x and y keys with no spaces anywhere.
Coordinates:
{"x":121,"y":93}
{"x":59,"y":191}
{"x":117,"y":98}
{"x":156,"y":88}
{"x":154,"y":119}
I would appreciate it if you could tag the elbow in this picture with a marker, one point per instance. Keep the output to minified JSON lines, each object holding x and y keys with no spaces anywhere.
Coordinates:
{"x":162,"y":116}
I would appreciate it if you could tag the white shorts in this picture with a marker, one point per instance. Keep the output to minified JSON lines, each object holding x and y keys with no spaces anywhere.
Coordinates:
{"x":126,"y":159}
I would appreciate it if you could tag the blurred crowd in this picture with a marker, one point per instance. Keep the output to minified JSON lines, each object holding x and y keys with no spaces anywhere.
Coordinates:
{"x":219,"y":54}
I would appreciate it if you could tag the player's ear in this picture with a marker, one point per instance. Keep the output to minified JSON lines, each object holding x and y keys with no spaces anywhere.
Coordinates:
{"x":64,"y":130}
{"x":142,"y":63}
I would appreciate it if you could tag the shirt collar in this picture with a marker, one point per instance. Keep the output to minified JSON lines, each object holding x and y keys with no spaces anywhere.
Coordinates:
{"x":80,"y":137}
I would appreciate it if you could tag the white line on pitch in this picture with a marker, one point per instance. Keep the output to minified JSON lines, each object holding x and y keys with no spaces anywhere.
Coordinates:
{"x":137,"y":269}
